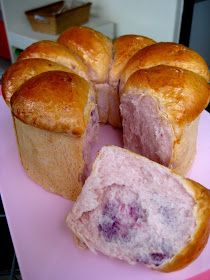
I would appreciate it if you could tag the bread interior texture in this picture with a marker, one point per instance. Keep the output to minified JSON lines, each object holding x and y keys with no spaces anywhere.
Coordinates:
{"x":90,"y":138}
{"x":148,"y":131}
{"x":137,"y":210}
{"x":145,"y":131}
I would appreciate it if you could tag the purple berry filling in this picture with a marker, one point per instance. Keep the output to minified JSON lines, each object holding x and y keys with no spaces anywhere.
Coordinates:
{"x":109,"y":230}
{"x":119,"y":219}
{"x":158,"y":258}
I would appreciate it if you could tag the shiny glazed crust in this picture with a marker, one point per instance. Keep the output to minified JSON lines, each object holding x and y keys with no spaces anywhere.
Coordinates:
{"x":55,"y":52}
{"x":200,"y":237}
{"x":182,"y":93}
{"x":21,"y":71}
{"x":165,"y":53}
{"x":124,"y":47}
{"x":93,"y":47}
{"x":56,"y":101}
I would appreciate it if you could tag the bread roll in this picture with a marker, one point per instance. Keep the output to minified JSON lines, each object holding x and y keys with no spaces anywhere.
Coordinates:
{"x":140,"y":211}
{"x":160,"y":108}
{"x":166,"y":53}
{"x":56,"y":123}
{"x":95,"y":49}
{"x":21,"y":71}
{"x":124,"y":47}
{"x":55,"y":52}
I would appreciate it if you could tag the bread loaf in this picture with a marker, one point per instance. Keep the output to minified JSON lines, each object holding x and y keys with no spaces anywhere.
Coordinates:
{"x":104,"y":67}
{"x":138,"y":211}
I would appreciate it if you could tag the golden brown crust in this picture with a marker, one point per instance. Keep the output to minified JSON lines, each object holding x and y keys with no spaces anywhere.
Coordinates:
{"x":182,"y":93}
{"x":54,"y":101}
{"x":201,"y":234}
{"x":53,"y":160}
{"x":124,"y":47}
{"x":21,"y":71}
{"x":168,"y":54}
{"x":184,"y":145}
{"x":93,"y":47}
{"x":56,"y":52}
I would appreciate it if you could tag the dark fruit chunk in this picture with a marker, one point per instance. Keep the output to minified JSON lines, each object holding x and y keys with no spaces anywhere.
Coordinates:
{"x":109,"y":230}
{"x":157,"y":258}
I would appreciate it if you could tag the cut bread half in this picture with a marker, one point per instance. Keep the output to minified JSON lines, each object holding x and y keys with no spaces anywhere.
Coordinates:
{"x":136,"y":210}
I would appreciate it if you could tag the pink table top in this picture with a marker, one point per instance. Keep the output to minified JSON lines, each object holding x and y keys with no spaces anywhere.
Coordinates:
{"x":44,"y":246}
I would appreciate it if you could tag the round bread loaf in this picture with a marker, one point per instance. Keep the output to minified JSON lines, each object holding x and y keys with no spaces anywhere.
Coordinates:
{"x":38,"y":98}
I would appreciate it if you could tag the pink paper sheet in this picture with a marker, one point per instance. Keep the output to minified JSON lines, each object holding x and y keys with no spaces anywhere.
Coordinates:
{"x":44,"y":246}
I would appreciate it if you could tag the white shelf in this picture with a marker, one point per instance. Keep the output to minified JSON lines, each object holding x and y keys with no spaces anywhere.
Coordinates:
{"x":22,"y":34}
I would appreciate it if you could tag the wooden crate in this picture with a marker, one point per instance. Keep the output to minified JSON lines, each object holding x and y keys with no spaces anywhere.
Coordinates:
{"x":55,"y":18}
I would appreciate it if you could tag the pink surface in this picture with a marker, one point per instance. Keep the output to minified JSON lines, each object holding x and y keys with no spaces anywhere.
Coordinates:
{"x":44,"y":246}
{"x":203,"y":276}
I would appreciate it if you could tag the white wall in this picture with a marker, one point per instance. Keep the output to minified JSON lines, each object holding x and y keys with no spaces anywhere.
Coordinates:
{"x":159,"y":19}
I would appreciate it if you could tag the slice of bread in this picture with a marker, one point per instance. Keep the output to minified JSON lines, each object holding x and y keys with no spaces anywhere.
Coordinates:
{"x":160,"y":109}
{"x":136,"y":210}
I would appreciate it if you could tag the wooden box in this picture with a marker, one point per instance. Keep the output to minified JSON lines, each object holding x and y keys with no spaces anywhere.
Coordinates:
{"x":56,"y":17}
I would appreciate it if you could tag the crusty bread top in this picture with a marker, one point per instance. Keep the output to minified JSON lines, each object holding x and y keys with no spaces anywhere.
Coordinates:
{"x":55,"y":52}
{"x":55,"y":101}
{"x":93,"y":47}
{"x":124,"y":47}
{"x":21,"y":71}
{"x":182,"y":93}
{"x":168,"y":54}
